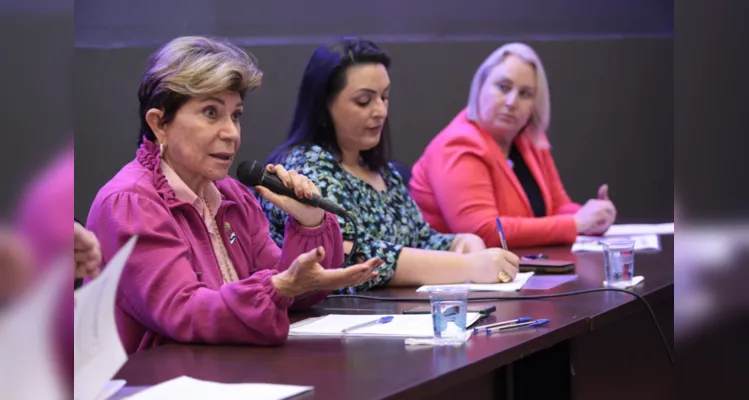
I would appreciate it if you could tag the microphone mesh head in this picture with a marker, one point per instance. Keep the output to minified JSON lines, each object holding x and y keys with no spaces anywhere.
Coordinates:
{"x":250,"y":174}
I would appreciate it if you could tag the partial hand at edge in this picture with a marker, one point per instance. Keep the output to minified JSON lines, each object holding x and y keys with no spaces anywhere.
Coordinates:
{"x":16,"y":265}
{"x":87,"y":252}
{"x":465,"y":243}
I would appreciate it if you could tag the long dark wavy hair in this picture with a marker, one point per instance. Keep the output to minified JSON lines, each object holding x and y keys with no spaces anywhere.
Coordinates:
{"x":323,"y":80}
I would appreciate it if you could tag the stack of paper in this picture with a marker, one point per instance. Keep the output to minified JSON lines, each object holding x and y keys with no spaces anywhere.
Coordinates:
{"x":520,"y":280}
{"x":186,"y":388}
{"x":592,"y":244}
{"x":640,"y":229}
{"x":644,"y":235}
{"x":413,"y":326}
{"x":98,"y":350}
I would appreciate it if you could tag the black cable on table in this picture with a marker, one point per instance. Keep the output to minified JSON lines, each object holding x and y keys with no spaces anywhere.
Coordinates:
{"x":355,"y":248}
{"x":529,"y":297}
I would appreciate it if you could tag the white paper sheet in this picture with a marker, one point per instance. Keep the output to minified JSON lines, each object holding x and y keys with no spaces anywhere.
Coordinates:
{"x":640,"y":229}
{"x":98,"y":350}
{"x":186,"y":388}
{"x":520,"y":280}
{"x":29,"y":368}
{"x":434,"y":342}
{"x":591,"y":244}
{"x":411,"y":326}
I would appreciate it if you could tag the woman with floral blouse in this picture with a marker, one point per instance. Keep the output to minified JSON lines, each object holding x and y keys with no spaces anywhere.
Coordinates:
{"x":339,"y":139}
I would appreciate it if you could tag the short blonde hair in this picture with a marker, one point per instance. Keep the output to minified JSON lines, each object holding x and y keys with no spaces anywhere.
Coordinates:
{"x":193,"y":66}
{"x":541,"y":116}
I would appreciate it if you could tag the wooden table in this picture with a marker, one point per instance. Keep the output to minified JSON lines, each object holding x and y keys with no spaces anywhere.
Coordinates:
{"x":597,"y":345}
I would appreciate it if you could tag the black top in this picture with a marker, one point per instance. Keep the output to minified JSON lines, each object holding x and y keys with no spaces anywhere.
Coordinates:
{"x":528,"y":182}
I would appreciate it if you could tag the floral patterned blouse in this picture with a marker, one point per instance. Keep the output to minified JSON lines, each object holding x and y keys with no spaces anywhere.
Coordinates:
{"x":386,"y":220}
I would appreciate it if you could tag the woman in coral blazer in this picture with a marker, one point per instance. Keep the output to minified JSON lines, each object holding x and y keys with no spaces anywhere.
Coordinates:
{"x":493,"y":160}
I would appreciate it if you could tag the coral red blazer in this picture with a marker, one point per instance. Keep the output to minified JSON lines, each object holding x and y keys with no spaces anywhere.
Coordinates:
{"x":463,"y":181}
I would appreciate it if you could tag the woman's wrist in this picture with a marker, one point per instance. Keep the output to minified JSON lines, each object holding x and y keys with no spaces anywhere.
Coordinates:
{"x":312,"y":223}
{"x":472,"y":264}
{"x":464,"y":262}
{"x":283,"y":286}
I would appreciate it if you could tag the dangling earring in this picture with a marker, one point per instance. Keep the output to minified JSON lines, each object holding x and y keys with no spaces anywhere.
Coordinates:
{"x":162,"y":147}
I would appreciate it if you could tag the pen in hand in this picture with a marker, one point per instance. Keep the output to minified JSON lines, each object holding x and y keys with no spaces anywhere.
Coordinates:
{"x":501,"y":234}
{"x":503,"y":277}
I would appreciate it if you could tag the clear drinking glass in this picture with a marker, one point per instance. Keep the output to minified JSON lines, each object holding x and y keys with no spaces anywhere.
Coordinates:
{"x":619,"y":260}
{"x":449,"y":310}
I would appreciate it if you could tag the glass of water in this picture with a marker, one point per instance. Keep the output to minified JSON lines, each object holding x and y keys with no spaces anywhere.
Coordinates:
{"x":619,"y":261}
{"x":449,"y":308}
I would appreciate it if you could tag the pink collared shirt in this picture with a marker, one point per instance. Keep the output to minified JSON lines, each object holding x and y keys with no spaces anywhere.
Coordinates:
{"x":207,"y":193}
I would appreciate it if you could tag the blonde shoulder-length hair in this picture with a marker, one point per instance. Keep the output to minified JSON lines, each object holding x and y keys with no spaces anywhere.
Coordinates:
{"x":193,"y":66}
{"x":541,"y":116}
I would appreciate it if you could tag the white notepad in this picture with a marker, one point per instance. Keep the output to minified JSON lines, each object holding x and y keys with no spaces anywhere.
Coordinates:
{"x":412,"y":326}
{"x":99,"y":353}
{"x":186,"y":388}
{"x":520,"y":280}
{"x":591,"y":244}
{"x":640,"y":229}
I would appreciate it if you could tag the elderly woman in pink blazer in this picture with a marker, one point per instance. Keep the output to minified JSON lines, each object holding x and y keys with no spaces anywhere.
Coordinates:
{"x":205,"y":268}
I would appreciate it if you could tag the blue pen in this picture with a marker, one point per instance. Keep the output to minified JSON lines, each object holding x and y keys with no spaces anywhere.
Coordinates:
{"x":383,"y":320}
{"x":529,"y":324}
{"x":501,"y":234}
{"x":512,"y":321}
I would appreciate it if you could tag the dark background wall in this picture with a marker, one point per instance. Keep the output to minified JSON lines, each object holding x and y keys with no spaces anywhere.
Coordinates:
{"x":610,"y":66}
{"x":36,"y":115}
{"x":116,"y":22}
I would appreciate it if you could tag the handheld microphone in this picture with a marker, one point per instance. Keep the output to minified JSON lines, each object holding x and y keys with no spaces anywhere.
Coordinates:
{"x":255,"y":174}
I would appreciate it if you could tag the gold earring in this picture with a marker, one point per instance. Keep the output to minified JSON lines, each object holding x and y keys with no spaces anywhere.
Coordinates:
{"x":162,"y":147}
